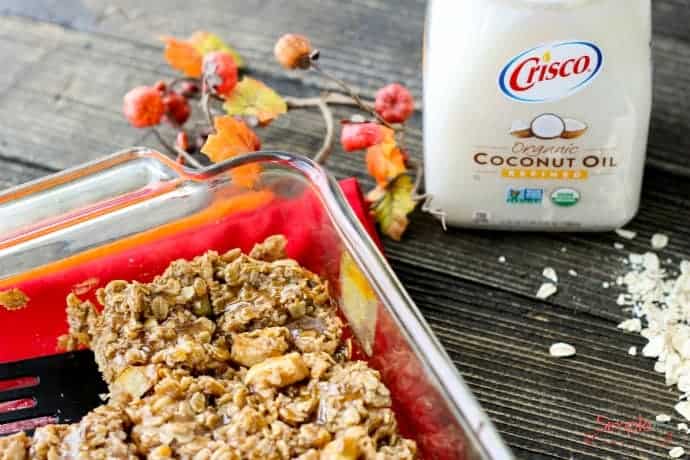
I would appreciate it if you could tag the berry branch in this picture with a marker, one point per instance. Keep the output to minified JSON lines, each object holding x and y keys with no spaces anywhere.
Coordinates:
{"x":176,"y":150}
{"x":322,"y":104}
{"x":353,"y":95}
{"x":211,"y":76}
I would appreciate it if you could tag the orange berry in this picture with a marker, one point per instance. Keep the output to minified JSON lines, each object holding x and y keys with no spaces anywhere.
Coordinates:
{"x":293,"y":51}
{"x":143,"y":106}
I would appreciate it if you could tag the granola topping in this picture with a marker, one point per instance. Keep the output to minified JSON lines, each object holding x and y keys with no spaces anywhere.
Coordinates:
{"x":224,"y":357}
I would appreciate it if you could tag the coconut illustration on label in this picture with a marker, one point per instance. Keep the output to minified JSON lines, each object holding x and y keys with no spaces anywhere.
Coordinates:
{"x":521,"y":130}
{"x":573,"y":128}
{"x":549,"y":126}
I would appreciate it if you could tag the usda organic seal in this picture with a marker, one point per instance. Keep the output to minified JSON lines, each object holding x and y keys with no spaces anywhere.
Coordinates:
{"x":565,"y":197}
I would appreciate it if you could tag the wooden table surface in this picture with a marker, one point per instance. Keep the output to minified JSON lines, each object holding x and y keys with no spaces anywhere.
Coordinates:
{"x":66,"y":65}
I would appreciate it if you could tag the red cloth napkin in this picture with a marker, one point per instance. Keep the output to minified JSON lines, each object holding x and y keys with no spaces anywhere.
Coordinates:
{"x":33,"y":331}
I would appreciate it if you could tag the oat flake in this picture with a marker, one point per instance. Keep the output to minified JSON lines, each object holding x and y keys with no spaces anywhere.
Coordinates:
{"x":683,"y":408}
{"x":663,"y":418}
{"x":618,"y":246}
{"x":562,"y":350}
{"x":627,"y":234}
{"x":631,"y":325}
{"x":659,"y":241}
{"x":546,"y":290}
{"x":676,"y":452}
{"x":632,"y":351}
{"x":550,"y":274}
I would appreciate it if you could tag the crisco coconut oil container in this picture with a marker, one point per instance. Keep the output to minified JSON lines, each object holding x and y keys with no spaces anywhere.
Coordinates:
{"x":536,"y":112}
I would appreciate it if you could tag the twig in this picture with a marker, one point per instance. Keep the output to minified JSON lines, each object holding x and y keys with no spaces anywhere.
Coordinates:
{"x":358,"y":101}
{"x":176,"y":81}
{"x":322,"y":104}
{"x":176,"y":150}
{"x":205,"y":106}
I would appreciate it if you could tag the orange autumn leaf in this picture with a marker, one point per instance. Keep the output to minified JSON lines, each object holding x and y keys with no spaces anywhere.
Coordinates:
{"x":385,"y":161}
{"x":233,"y":137}
{"x":183,"y":56}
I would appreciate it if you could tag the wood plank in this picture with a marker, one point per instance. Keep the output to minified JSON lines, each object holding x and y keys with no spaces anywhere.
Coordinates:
{"x":16,"y":173}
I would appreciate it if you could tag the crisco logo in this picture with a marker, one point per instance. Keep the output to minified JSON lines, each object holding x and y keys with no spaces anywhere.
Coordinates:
{"x":551,"y":72}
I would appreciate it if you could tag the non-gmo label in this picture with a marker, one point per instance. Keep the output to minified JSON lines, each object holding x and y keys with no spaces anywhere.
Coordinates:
{"x":524,"y":196}
{"x":565,"y":197}
{"x":550,"y":72}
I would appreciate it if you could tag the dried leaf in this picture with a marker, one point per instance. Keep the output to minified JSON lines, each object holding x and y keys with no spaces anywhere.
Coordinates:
{"x":13,"y":299}
{"x":207,"y":42}
{"x":252,"y":98}
{"x":391,"y":211}
{"x":183,"y":56}
{"x":233,"y":137}
{"x":385,"y":160}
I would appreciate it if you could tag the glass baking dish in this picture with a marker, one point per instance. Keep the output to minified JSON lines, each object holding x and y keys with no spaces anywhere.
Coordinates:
{"x":127,"y":216}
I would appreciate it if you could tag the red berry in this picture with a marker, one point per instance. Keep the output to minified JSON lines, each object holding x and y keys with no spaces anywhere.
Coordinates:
{"x":160,"y":86}
{"x":188,"y":89}
{"x":182,"y":141}
{"x":176,"y":108}
{"x":394,"y":103}
{"x":220,"y":72}
{"x":359,"y":136}
{"x":143,"y":106}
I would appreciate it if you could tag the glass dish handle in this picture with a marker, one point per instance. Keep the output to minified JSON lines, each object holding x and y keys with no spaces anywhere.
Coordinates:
{"x":87,"y":189}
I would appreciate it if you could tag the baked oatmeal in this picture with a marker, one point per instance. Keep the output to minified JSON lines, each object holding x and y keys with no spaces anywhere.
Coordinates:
{"x":224,"y":357}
